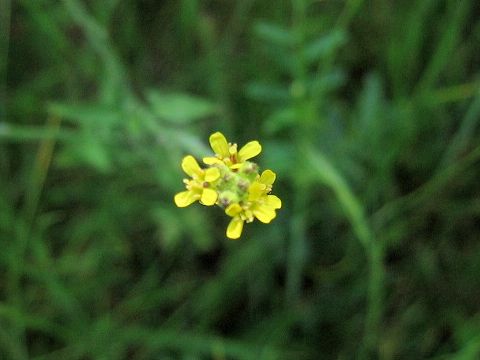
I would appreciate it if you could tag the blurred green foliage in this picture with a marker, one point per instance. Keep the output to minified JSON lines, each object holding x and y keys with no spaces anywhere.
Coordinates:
{"x":368,"y":111}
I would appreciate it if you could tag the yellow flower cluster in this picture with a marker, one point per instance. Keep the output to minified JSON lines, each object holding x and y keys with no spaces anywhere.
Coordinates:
{"x":232,"y":182}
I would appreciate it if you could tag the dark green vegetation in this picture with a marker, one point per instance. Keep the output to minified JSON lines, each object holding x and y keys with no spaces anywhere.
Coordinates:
{"x":368,"y":111}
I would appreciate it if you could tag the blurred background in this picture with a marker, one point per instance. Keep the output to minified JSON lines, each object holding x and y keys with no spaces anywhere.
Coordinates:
{"x":369,"y":113}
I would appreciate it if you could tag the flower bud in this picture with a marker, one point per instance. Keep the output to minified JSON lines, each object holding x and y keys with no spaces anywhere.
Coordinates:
{"x":227,"y":197}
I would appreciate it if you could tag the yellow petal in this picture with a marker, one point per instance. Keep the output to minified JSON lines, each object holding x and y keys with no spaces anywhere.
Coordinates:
{"x":233,"y":209}
{"x":219,"y":144}
{"x":210,"y":160}
{"x":274,"y":201}
{"x":251,"y":149}
{"x":209,"y":197}
{"x":234,"y":229}
{"x":185,"y":198}
{"x":190,"y":166}
{"x":264,"y":213}
{"x":255,"y":191}
{"x":212,"y":174}
{"x":235,"y":166}
{"x":268,"y":177}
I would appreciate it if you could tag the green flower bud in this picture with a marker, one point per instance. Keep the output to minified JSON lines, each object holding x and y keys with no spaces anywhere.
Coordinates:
{"x":227,"y":197}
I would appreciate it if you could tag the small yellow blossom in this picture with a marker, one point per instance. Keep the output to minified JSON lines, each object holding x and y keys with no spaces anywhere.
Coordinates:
{"x":233,"y":183}
{"x":199,"y":186}
{"x":259,"y":205}
{"x":227,"y":152}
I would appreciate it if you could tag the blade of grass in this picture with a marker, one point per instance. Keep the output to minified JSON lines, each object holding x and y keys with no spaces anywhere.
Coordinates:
{"x":465,"y":133}
{"x":446,"y":45}
{"x":297,"y":250}
{"x":324,"y":172}
{"x":424,"y":193}
{"x":406,"y":45}
{"x":5,"y":9}
{"x":455,"y":93}
{"x":200,"y":344}
{"x":352,"y":7}
{"x":115,"y":82}
{"x":24,"y":227}
{"x":24,"y":133}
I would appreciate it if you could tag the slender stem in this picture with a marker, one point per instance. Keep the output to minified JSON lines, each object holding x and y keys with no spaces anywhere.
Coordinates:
{"x":329,"y":176}
{"x":5,"y":10}
{"x":24,"y":230}
{"x":297,"y":248}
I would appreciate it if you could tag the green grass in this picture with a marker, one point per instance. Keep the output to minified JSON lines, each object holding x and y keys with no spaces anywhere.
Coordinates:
{"x":369,"y":113}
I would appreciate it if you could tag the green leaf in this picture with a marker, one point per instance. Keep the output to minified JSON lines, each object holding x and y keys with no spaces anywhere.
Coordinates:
{"x":325,"y":46}
{"x":179,"y":107}
{"x":275,"y":34}
{"x":86,"y":114}
{"x":87,"y":151}
{"x":268,"y":92}
{"x":280,"y":120}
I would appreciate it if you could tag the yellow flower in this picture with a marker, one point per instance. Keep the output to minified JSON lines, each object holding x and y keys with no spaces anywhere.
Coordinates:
{"x":228,"y":154}
{"x":231,"y":181}
{"x":262,"y":186}
{"x":259,"y":205}
{"x":199,"y":186}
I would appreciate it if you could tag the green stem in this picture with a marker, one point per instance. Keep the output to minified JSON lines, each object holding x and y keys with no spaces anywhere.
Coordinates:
{"x":25,"y":227}
{"x":5,"y":10}
{"x":324,"y":171}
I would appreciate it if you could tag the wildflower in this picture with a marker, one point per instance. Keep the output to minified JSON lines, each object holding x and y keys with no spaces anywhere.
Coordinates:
{"x":199,"y":186}
{"x":228,"y":154}
{"x":233,"y":183}
{"x":259,"y":204}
